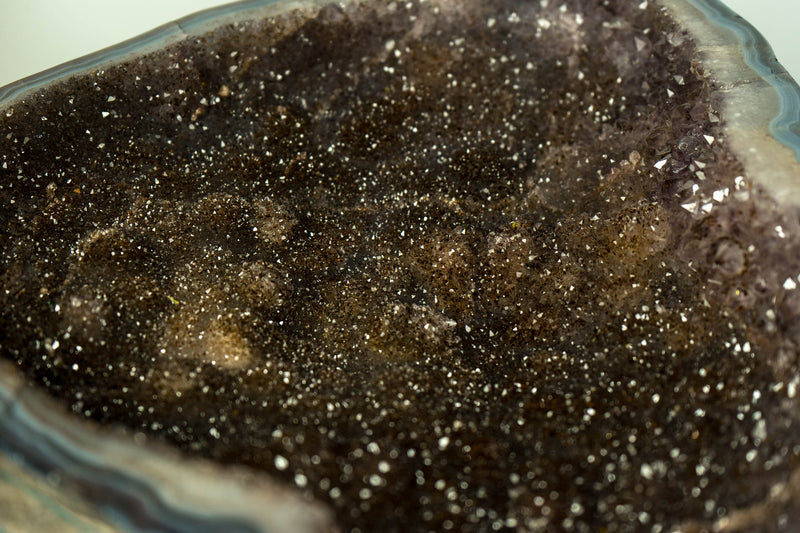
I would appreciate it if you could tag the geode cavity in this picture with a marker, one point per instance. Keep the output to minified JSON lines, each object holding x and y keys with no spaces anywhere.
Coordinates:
{"x":439,"y":266}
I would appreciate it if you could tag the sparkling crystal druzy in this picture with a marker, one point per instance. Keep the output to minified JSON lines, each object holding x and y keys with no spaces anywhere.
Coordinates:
{"x":436,"y":265}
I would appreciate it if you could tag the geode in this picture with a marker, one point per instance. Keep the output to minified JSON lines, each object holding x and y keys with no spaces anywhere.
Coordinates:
{"x":405,"y":266}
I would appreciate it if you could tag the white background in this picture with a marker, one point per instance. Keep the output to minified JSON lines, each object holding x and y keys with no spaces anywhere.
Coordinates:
{"x":38,"y":34}
{"x":779,"y":22}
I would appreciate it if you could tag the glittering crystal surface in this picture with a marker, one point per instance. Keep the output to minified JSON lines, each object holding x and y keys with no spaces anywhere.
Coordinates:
{"x":465,"y":267}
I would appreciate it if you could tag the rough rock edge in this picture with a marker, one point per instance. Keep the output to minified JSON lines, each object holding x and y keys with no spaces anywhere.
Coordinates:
{"x":198,"y":493}
{"x":774,"y":167}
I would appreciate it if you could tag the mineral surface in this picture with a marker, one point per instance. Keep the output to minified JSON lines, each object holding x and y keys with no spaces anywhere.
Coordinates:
{"x":470,"y":266}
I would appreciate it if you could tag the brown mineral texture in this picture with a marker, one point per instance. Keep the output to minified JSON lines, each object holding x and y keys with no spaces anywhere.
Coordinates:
{"x":472,"y":267}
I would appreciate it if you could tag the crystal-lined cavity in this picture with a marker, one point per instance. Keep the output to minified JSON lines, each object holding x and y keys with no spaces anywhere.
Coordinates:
{"x":441,"y":267}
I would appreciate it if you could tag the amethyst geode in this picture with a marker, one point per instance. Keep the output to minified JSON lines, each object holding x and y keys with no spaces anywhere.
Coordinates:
{"x":432,"y":265}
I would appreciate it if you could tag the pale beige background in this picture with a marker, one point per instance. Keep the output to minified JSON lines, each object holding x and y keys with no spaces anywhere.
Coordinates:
{"x":38,"y":34}
{"x":779,"y":22}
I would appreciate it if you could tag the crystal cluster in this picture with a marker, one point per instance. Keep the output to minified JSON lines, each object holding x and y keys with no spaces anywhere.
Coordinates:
{"x":442,"y":267}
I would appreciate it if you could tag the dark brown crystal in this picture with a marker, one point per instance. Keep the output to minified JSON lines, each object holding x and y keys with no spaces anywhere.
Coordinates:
{"x":442,"y":267}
